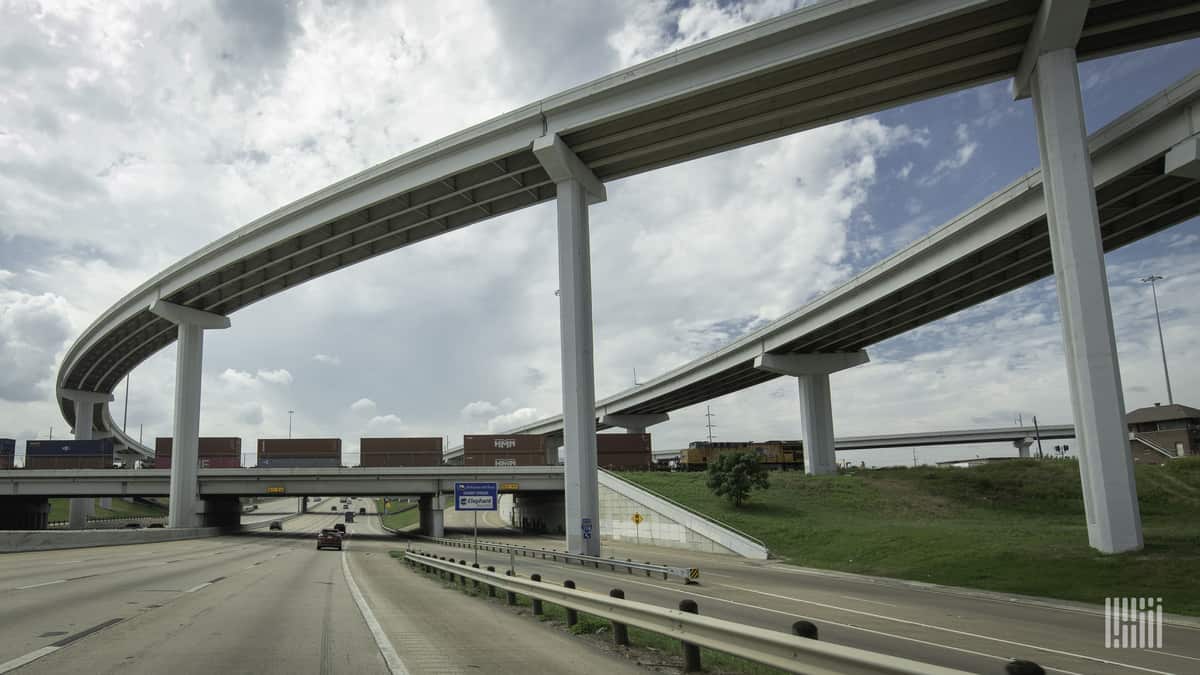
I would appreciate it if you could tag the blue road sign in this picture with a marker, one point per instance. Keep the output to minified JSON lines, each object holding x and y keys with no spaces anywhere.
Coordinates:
{"x":475,"y":496}
{"x":586,"y":526}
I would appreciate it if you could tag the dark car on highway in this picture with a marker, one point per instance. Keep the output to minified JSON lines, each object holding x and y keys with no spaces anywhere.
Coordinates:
{"x":362,"y":510}
{"x":340,"y":527}
{"x":329,"y":539}
{"x":276,"y":525}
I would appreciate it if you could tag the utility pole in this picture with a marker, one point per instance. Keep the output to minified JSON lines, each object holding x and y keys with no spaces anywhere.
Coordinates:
{"x":1037,"y":434}
{"x":139,"y":434}
{"x":290,"y":413}
{"x":709,"y":425}
{"x":1161,"y":345}
{"x":1020,"y":420}
{"x":51,"y":436}
{"x":914,"y":457}
{"x":635,"y":382}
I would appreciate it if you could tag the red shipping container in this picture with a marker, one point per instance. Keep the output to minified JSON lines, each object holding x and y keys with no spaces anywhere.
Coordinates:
{"x":300,"y":447}
{"x":68,"y":462}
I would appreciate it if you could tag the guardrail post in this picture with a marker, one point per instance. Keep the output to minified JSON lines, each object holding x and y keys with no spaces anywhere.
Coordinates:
{"x":1020,"y":667}
{"x":462,"y":579}
{"x":572,"y":615}
{"x":620,"y":630}
{"x":691,"y":652}
{"x":805,"y":629}
{"x":510,"y":597}
{"x":537,"y":604}
{"x":476,"y":566}
{"x":491,"y":588}
{"x":630,"y":567}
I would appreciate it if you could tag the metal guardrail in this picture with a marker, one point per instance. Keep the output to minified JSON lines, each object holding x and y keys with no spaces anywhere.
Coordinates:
{"x":689,"y":509}
{"x":690,"y":575}
{"x":772,"y":648}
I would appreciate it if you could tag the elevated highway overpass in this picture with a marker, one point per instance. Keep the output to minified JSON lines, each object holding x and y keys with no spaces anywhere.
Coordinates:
{"x":811,"y":67}
{"x":1020,"y":437}
{"x":999,"y":245}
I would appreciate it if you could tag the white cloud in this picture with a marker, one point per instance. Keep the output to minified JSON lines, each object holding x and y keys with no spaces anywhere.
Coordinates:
{"x":478,"y":409}
{"x":516,"y":418}
{"x":33,"y":328}
{"x":963,"y":152}
{"x":386,"y":424}
{"x":277,"y":376}
{"x":327,"y":359}
{"x":363,"y":406}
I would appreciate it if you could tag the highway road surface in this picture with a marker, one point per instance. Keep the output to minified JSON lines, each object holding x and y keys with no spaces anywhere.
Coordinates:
{"x":977,"y":632}
{"x":267,"y":602}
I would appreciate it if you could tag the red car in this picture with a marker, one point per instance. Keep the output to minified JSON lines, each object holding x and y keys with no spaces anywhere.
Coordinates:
{"x":329,"y":539}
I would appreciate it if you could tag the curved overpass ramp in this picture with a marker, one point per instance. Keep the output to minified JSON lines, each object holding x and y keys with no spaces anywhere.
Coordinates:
{"x":999,"y":245}
{"x":805,"y":69}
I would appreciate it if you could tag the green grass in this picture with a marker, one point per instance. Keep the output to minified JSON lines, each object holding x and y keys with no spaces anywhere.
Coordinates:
{"x":60,"y":510}
{"x":394,"y":518}
{"x":1014,"y":527}
{"x":596,"y":628}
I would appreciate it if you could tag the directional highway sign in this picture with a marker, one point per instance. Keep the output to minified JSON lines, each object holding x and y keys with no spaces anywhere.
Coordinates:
{"x":475,"y":496}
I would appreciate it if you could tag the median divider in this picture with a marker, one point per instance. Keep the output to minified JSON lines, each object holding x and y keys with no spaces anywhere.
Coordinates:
{"x":791,"y":653}
{"x":689,"y":575}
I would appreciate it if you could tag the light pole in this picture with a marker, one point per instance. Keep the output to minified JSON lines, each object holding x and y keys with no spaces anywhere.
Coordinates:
{"x":290,"y":413}
{"x":1161,"y":345}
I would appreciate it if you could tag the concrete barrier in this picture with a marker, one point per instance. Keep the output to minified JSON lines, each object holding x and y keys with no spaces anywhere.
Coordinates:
{"x":17,"y":541}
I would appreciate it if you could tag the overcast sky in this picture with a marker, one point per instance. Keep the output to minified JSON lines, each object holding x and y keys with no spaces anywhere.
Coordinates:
{"x":130,"y":136}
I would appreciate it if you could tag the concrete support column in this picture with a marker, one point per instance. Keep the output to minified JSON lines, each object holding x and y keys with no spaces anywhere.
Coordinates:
{"x":437,"y":516}
{"x":185,"y":508}
{"x":223,"y":512}
{"x":304,"y":505}
{"x":816,"y":421}
{"x":85,"y":406}
{"x":1094,"y":377}
{"x":1022,"y":447}
{"x":816,"y":405}
{"x":424,"y":508}
{"x":577,"y":187}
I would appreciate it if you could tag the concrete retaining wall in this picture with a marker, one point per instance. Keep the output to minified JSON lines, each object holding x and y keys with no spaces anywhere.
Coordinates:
{"x":665,"y":523}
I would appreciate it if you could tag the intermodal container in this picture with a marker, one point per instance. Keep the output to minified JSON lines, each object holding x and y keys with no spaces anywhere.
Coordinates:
{"x":63,"y":448}
{"x":215,"y":452}
{"x":8,"y":451}
{"x":298,"y":462}
{"x":300,"y":447}
{"x":623,"y":451}
{"x":504,"y":450}
{"x":411,"y":451}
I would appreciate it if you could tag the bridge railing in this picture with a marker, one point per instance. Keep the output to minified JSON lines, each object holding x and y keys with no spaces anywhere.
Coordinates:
{"x":787,"y":652}
{"x":689,"y":575}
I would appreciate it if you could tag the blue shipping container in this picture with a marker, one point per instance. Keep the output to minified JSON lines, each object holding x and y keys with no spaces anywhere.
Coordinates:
{"x":103,"y":446}
{"x":8,"y":446}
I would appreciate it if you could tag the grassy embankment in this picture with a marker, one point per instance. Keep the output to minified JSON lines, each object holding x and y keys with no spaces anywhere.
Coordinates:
{"x":1014,"y":527}
{"x":60,"y":510}
{"x":396,"y":518}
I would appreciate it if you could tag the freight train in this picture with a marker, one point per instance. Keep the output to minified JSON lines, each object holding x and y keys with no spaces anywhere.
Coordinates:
{"x":615,"y":452}
{"x":412,"y":451}
{"x":69,"y":454}
{"x":298,"y":453}
{"x":215,"y":452}
{"x":772,"y":454}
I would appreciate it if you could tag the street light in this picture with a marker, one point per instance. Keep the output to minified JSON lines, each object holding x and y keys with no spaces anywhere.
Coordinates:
{"x":290,"y":413}
{"x":1161,"y":345}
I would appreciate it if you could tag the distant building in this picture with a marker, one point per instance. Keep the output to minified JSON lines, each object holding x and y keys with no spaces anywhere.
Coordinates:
{"x":1162,"y":432}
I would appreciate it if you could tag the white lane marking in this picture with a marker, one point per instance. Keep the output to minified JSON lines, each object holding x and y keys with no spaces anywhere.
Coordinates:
{"x":44,"y":583}
{"x":30,"y":657}
{"x":390,"y":657}
{"x":873,"y":602}
{"x":1178,"y":656}
{"x":193,"y":589}
{"x":950,"y":630}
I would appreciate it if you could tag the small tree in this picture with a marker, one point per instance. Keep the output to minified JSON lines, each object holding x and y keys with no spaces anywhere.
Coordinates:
{"x":734,"y":475}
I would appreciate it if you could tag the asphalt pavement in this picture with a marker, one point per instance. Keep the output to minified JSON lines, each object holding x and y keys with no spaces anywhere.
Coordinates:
{"x":265,"y":602}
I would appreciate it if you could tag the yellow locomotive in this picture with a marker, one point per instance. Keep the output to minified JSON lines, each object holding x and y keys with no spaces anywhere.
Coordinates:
{"x":772,"y":454}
